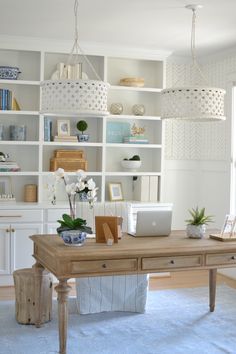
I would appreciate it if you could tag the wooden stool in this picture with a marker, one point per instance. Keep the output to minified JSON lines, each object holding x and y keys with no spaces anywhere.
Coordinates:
{"x":25,"y":296}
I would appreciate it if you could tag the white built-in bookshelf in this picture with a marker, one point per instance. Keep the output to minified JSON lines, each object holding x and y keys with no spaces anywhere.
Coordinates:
{"x":104,"y":158}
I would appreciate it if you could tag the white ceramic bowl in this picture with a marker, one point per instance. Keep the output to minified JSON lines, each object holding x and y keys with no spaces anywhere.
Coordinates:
{"x":131,"y":165}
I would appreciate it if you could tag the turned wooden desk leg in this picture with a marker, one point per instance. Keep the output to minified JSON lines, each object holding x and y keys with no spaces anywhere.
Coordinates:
{"x":212,"y":288}
{"x":62,"y":297}
{"x":38,"y":274}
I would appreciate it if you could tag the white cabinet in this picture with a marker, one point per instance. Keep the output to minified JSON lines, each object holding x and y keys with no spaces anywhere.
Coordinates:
{"x":16,"y":248}
{"x":22,"y":245}
{"x":4,"y":249}
{"x":103,"y":156}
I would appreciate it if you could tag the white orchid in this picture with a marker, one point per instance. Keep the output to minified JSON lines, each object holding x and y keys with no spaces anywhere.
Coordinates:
{"x":81,"y":175}
{"x":71,"y":189}
{"x":91,"y":184}
{"x":86,"y":189}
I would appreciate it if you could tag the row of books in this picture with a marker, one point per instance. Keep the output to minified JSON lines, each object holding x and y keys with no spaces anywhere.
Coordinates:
{"x":133,"y":139}
{"x":66,"y":138}
{"x":9,"y":166}
{"x":5,"y":99}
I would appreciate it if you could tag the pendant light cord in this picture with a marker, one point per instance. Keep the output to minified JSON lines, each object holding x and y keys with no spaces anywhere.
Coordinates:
{"x":193,"y":47}
{"x":76,"y":49}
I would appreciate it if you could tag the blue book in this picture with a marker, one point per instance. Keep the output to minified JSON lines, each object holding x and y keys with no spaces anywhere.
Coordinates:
{"x":47,"y":129}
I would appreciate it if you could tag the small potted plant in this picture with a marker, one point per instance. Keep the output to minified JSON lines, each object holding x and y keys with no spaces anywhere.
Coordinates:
{"x":131,"y":164}
{"x":82,"y":127}
{"x":196,"y":226}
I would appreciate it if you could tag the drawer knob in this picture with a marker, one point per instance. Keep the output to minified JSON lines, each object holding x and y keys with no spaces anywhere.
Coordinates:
{"x":172,"y":261}
{"x":233,"y":257}
{"x":104,"y":265}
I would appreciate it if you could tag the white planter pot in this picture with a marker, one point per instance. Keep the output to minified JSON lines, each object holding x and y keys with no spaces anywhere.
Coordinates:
{"x":196,"y":231}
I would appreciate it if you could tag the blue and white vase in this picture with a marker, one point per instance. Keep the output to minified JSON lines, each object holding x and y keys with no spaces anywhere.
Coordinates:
{"x":73,"y":237}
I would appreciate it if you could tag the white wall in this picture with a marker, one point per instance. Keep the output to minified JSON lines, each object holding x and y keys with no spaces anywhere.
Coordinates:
{"x":198,"y":155}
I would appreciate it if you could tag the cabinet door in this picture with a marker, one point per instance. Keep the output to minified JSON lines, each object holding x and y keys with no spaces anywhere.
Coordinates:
{"x":22,"y":245}
{"x":5,"y":249}
{"x":51,"y":228}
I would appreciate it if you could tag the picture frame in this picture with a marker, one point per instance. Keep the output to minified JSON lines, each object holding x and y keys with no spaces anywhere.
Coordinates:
{"x":63,"y":127}
{"x":115,"y":191}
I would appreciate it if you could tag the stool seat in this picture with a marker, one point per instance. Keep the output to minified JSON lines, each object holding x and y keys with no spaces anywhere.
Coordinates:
{"x":25,"y":296}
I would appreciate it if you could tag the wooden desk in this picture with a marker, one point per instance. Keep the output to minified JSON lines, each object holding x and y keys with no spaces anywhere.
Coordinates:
{"x":129,"y":256}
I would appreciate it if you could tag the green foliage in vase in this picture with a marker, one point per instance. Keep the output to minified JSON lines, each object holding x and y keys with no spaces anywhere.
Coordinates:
{"x":199,"y":217}
{"x":82,"y":126}
{"x":134,"y":158}
{"x":68,"y":223}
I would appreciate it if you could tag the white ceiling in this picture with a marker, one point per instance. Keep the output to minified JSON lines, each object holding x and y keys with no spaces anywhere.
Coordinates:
{"x":149,"y":24}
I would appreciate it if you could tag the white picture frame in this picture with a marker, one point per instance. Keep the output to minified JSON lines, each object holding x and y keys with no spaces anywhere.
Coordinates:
{"x":63,"y":127}
{"x":115,"y":191}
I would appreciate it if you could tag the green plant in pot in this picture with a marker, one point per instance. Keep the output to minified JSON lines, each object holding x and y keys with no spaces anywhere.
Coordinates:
{"x":131,"y":164}
{"x":196,"y":226}
{"x":73,"y":229}
{"x":82,"y":126}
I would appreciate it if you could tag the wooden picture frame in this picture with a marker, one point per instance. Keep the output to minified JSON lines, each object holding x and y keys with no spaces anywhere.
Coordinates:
{"x":63,"y":127}
{"x":112,"y":222}
{"x":115,"y":191}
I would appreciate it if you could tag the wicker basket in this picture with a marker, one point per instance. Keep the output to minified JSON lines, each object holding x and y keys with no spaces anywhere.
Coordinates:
{"x":69,"y":154}
{"x":69,"y":165}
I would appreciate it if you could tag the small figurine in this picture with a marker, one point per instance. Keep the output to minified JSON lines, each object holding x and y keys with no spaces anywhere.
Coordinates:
{"x":137,"y":130}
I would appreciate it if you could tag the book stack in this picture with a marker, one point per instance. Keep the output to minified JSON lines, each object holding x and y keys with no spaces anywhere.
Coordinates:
{"x":135,"y":139}
{"x":5,"y":100}
{"x":47,"y":129}
{"x":146,"y":189}
{"x":66,"y":138}
{"x":9,"y":166}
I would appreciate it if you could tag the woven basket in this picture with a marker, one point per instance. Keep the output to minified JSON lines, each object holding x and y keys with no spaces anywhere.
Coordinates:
{"x":69,"y":165}
{"x":68,"y":154}
{"x":83,"y":96}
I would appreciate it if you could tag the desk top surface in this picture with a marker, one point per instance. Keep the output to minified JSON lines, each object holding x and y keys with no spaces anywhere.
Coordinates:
{"x":176,"y":243}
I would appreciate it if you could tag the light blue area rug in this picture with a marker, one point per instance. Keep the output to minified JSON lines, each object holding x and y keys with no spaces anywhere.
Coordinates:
{"x":176,"y":321}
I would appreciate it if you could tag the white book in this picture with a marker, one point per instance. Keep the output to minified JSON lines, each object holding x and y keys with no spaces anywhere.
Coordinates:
{"x":153,"y":188}
{"x":141,"y":189}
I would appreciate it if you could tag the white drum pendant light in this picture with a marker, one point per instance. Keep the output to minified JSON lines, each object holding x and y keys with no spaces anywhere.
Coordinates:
{"x":75,"y":96}
{"x":194,"y":103}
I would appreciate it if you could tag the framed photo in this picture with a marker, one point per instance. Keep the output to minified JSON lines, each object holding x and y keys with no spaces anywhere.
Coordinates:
{"x":63,"y":127}
{"x":115,"y":191}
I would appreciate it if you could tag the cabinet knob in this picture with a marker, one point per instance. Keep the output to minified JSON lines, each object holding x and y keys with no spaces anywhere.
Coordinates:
{"x":233,"y":257}
{"x":172,"y":261}
{"x":7,"y":230}
{"x":12,"y":230}
{"x":104,"y":265}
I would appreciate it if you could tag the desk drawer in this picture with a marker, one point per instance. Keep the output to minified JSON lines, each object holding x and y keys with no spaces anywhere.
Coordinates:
{"x":104,"y":266}
{"x":221,"y":259}
{"x":157,"y":263}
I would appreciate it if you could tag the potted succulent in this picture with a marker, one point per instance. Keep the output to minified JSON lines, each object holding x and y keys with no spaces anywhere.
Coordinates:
{"x":82,"y":127}
{"x":131,"y":164}
{"x":196,"y":226}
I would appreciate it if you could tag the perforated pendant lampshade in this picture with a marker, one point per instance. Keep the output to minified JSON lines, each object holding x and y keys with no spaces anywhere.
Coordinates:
{"x":75,"y":96}
{"x":194,"y":103}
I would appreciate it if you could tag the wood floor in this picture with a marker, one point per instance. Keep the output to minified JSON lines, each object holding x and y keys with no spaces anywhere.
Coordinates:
{"x":189,"y":279}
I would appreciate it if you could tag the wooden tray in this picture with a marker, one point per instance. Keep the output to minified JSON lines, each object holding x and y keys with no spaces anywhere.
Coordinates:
{"x":223,"y":238}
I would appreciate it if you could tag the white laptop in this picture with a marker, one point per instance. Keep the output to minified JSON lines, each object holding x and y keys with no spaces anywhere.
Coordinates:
{"x":152,"y":223}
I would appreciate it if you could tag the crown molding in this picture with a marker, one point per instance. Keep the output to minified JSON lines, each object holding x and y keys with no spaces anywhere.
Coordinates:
{"x":64,"y":46}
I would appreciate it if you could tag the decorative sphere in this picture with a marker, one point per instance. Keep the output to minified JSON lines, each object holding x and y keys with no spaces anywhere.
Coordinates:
{"x":138,"y":109}
{"x":116,"y":108}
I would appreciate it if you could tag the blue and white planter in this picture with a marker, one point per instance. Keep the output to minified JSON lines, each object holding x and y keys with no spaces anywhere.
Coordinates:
{"x":73,"y":237}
